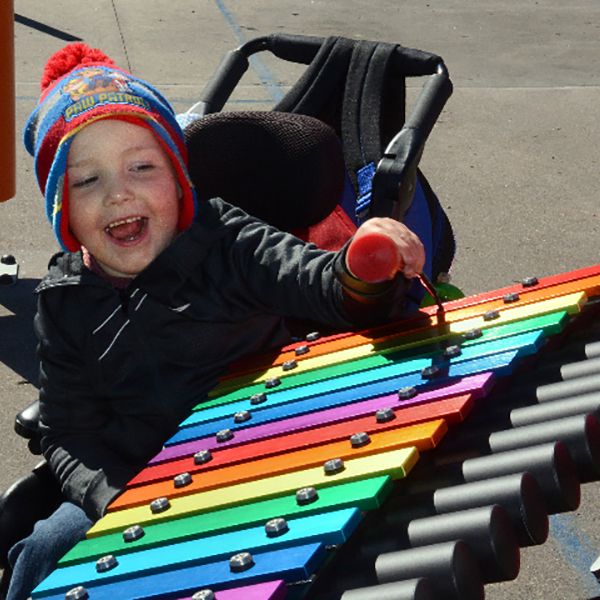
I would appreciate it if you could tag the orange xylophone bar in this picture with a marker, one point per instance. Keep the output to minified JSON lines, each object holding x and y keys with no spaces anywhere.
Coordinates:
{"x":426,"y":318}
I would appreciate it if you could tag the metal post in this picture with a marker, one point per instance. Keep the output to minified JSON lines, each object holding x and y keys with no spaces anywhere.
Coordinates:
{"x":7,"y":104}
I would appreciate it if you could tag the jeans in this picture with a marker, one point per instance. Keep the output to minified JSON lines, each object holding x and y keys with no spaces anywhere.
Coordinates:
{"x":35,"y":557}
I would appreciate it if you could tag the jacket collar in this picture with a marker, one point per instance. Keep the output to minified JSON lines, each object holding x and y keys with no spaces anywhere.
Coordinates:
{"x":67,"y":268}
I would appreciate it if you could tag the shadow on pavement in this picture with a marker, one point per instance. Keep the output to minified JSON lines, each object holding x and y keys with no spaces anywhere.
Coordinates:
{"x":17,"y":338}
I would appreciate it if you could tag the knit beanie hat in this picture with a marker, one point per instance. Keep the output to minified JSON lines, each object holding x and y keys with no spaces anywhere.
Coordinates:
{"x":81,"y":85}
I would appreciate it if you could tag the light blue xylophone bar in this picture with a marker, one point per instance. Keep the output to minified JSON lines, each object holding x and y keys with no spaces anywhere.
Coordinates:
{"x":291,"y":564}
{"x":551,"y":323}
{"x":477,"y":385}
{"x":356,"y":379}
{"x":330,"y":528}
{"x":281,"y":406}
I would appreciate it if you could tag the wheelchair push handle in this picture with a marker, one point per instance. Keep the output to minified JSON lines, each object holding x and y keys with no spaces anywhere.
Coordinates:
{"x":431,"y":102}
{"x":395,"y":178}
{"x":294,"y":48}
{"x":300,"y":49}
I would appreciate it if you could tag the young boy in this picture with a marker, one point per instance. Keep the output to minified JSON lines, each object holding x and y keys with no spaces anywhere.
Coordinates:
{"x":154,"y":296}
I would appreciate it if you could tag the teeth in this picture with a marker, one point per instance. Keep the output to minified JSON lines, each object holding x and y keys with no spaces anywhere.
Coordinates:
{"x":123,"y":222}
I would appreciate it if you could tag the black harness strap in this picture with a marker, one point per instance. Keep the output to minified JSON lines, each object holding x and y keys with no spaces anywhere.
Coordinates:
{"x":318,"y":92}
{"x":352,"y":106}
{"x":367,"y":121}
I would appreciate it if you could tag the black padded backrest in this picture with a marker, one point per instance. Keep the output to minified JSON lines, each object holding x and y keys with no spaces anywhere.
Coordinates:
{"x":286,"y":169}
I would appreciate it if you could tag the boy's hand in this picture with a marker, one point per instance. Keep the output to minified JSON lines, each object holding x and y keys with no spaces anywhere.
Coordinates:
{"x":381,"y":247}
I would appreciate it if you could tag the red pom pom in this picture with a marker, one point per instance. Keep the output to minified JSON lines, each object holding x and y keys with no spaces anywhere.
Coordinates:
{"x":69,"y":58}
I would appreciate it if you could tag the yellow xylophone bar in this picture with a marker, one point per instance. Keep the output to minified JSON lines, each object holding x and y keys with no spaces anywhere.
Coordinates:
{"x":458,"y":321}
{"x":586,"y":280}
{"x":396,"y":464}
{"x":571,"y":303}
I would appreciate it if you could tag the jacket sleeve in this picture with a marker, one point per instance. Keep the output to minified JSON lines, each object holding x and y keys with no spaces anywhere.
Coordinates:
{"x":72,"y":418}
{"x":296,"y":279}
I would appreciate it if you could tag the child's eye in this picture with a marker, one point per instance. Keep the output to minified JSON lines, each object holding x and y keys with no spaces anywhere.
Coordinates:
{"x":84,"y":182}
{"x":143,"y":167}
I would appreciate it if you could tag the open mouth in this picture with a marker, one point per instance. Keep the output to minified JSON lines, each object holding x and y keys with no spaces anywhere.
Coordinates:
{"x":127,"y":230}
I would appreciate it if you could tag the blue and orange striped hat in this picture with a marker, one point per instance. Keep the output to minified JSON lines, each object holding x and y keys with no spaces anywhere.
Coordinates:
{"x":81,"y":85}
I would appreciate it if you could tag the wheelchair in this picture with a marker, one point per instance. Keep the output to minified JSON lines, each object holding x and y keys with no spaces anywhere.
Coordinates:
{"x":338,"y":149}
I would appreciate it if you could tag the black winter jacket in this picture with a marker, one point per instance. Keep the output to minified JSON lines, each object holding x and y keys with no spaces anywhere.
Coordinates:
{"x":120,"y":369}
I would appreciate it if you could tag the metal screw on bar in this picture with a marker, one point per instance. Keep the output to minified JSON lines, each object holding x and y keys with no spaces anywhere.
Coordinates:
{"x":406,"y":393}
{"x":258,"y":398}
{"x":529,"y":281}
{"x":300,"y":350}
{"x":491,"y":315}
{"x":204,"y":595}
{"x":241,"y":562}
{"x":512,"y":297}
{"x":106,"y":563}
{"x":383,"y":415}
{"x":202,"y":457}
{"x":288,"y":365}
{"x":133,"y":533}
{"x":306,"y":495}
{"x":452,"y":351}
{"x":77,"y":593}
{"x":242,"y":416}
{"x":430,"y":372}
{"x":313,"y":336}
{"x":276,"y":527}
{"x":360,"y":439}
{"x":224,"y":435}
{"x":159,"y":505}
{"x":472,"y":334}
{"x":333,"y":466}
{"x":182,"y":480}
{"x":272,"y":382}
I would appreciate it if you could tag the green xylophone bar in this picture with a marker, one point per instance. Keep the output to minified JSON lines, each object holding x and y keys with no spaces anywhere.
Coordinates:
{"x":396,"y":464}
{"x":585,"y":280}
{"x":478,"y":346}
{"x":365,"y":384}
{"x":364,"y":494}
{"x":446,"y":333}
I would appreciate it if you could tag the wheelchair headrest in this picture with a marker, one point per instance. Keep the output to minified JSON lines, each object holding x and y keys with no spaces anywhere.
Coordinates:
{"x":287,"y":169}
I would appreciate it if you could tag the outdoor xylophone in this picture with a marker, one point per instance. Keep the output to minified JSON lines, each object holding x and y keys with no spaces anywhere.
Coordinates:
{"x":294,"y":479}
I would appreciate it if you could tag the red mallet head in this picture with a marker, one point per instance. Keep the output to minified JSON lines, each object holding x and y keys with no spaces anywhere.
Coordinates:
{"x":373,"y":257}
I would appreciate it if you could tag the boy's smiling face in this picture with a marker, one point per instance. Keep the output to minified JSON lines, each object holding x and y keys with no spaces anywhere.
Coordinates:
{"x":123,"y":195}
